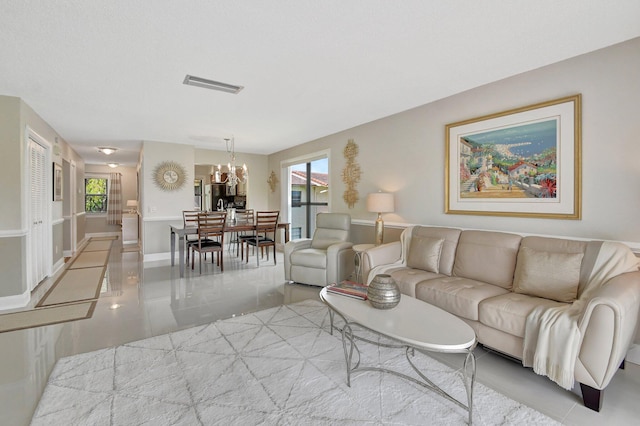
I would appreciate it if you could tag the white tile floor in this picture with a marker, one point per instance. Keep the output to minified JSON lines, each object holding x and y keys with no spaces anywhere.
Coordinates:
{"x":153,"y":300}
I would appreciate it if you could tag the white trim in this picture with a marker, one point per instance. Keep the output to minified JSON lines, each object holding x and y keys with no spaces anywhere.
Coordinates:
{"x":9,"y":233}
{"x":67,"y":253}
{"x":17,"y":301}
{"x":57,"y":222}
{"x":398,"y":225}
{"x":81,"y":214}
{"x":162,"y":219}
{"x":58,"y":266}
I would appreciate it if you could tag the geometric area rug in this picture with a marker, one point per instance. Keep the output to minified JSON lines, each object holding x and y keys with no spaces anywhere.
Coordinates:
{"x":277,"y":366}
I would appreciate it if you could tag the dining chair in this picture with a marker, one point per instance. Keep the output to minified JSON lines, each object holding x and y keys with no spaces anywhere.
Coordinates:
{"x":265,"y":234}
{"x":190,"y":220}
{"x":211,"y":229}
{"x":244,"y":217}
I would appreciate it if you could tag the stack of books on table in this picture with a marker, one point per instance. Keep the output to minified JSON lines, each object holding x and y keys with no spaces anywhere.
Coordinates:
{"x":349,"y":289}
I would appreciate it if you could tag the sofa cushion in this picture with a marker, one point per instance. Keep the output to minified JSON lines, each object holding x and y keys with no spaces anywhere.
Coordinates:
{"x":549,"y":275}
{"x":561,"y":245}
{"x":408,"y":278}
{"x":508,"y":312}
{"x":424,"y":253}
{"x":457,"y":295}
{"x":450,"y":237}
{"x":487,"y":256}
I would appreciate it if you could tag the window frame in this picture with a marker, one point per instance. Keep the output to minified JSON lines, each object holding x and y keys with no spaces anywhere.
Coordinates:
{"x":106,"y":195}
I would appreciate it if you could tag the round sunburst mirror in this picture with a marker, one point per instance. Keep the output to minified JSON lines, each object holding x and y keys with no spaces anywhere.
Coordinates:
{"x":169,"y":175}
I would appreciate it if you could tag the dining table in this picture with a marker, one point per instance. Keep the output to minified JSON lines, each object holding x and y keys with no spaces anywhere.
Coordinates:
{"x":180,"y":233}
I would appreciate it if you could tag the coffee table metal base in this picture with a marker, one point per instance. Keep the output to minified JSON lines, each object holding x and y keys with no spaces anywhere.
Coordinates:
{"x":349,"y":346}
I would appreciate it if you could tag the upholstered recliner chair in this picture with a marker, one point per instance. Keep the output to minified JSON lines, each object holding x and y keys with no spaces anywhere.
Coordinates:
{"x":326,"y":258}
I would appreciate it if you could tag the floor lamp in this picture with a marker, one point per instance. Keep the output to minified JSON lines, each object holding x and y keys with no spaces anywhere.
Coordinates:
{"x":380,"y":202}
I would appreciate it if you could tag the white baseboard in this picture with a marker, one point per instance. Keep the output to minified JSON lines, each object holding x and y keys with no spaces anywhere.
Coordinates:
{"x":58,"y":266}
{"x":14,"y":302}
{"x":634,"y":354}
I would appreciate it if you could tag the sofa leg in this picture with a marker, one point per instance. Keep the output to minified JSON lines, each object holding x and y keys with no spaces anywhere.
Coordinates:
{"x":592,"y":397}
{"x":622,"y":365}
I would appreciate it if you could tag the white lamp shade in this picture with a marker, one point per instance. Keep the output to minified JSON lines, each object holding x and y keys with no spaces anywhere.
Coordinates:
{"x":132,"y":203}
{"x":380,"y":202}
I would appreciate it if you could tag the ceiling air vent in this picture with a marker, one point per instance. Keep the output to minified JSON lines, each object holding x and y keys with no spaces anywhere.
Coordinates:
{"x":211,"y":84}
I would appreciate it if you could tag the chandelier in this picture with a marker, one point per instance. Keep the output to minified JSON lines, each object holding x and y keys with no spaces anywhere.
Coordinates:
{"x":235,"y":174}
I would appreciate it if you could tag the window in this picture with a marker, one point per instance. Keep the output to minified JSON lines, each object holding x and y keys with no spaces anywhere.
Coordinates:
{"x":309,"y":189}
{"x":296,"y":198}
{"x":95,"y":195}
{"x":296,"y":233}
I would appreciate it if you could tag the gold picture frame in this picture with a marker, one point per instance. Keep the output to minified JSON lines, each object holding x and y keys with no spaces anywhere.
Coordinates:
{"x":524,"y":162}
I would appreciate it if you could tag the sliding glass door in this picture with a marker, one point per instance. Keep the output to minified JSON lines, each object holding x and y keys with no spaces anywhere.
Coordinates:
{"x":309,"y":195}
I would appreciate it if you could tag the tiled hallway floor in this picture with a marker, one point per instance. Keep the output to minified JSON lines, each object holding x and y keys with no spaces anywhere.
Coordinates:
{"x":141,"y":300}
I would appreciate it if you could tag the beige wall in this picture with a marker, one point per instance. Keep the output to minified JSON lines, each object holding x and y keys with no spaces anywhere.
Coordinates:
{"x":160,"y":208}
{"x":10,"y":163}
{"x":404,"y":153}
{"x":15,"y":117}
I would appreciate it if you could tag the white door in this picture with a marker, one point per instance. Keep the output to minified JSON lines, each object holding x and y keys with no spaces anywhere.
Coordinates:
{"x":74,"y":209}
{"x":38,"y":238}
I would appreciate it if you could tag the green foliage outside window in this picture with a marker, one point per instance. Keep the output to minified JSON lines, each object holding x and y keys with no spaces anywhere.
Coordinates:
{"x":95,"y":198}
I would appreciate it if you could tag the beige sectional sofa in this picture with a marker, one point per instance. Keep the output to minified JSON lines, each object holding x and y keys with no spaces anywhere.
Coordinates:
{"x":497,"y":282}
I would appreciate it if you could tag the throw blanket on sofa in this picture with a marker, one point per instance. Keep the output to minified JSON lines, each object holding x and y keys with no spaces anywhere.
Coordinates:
{"x":405,"y":240}
{"x":552,"y":337}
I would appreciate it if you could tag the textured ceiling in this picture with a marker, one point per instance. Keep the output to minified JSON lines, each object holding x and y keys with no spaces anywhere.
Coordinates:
{"x":110,"y":72}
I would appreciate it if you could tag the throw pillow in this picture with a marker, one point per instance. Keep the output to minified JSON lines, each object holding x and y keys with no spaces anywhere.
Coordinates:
{"x":424,"y":253}
{"x":554,"y":276}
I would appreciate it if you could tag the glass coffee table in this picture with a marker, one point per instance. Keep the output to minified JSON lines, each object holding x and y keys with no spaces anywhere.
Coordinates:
{"x":412,"y":325}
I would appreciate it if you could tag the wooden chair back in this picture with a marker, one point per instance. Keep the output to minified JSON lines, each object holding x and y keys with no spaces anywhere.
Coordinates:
{"x":265,"y":236}
{"x":211,"y":229}
{"x":245,"y":216}
{"x":211,"y":226}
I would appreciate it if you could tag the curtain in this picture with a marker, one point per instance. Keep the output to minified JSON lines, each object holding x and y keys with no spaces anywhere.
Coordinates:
{"x":114,"y":200}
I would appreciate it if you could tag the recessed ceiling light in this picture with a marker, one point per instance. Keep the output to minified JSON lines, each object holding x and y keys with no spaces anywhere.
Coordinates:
{"x":211,"y":84}
{"x":107,"y":150}
{"x":113,"y":165}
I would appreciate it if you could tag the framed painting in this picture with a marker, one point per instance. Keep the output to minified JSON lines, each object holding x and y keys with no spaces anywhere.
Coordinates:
{"x":57,"y":182}
{"x":525,"y":162}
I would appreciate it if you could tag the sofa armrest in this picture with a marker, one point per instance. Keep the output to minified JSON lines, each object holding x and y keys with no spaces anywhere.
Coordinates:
{"x":289,"y":248}
{"x":383,"y":254}
{"x":608,"y":326}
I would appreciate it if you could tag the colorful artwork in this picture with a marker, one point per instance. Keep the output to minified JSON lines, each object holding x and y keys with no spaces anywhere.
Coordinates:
{"x":514,"y":162}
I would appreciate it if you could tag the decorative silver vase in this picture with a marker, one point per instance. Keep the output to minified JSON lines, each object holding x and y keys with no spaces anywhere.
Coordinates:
{"x":383,"y":292}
